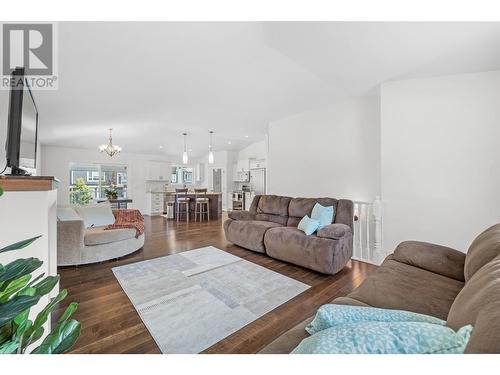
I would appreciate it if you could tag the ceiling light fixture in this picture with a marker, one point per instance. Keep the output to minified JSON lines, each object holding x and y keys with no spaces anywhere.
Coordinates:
{"x":210,"y":152}
{"x":185,"y":158}
{"x":110,"y":148}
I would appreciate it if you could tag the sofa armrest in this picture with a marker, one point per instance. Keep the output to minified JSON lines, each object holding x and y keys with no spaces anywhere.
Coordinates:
{"x":334,"y":231}
{"x":241,"y":215}
{"x":431,"y":257}
{"x":70,"y":240}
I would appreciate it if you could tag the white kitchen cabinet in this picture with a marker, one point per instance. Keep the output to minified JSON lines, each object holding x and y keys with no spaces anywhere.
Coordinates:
{"x":243,"y":165}
{"x":257,"y":163}
{"x":154,"y":203}
{"x":159,"y":170}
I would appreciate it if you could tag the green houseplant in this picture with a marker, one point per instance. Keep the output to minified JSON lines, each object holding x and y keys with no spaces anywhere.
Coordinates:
{"x":19,"y":291}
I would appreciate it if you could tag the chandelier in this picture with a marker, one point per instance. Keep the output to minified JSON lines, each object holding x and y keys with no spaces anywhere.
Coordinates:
{"x":110,"y":148}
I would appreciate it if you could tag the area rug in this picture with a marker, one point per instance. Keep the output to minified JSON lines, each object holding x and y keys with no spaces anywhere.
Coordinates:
{"x":192,"y":300}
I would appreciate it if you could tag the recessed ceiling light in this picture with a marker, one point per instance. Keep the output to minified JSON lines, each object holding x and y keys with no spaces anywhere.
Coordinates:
{"x":190,"y":149}
{"x":228,"y":142}
{"x":161,"y":146}
{"x":246,"y":136}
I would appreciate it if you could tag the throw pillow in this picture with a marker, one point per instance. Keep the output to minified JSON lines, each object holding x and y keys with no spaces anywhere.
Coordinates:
{"x":96,"y":215}
{"x":323,"y":214}
{"x":308,"y":225}
{"x":332,"y":315}
{"x":386,"y":338}
{"x":67,"y":213}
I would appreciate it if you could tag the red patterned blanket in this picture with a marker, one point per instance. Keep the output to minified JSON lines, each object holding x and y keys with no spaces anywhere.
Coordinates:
{"x":128,"y":219}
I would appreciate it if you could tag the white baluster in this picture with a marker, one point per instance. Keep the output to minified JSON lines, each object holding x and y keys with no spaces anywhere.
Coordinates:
{"x":378,"y":255}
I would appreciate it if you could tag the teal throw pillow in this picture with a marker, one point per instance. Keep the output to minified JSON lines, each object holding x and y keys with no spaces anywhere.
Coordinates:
{"x":386,"y":338}
{"x":332,"y":315}
{"x":323,"y":214}
{"x":308,"y":225}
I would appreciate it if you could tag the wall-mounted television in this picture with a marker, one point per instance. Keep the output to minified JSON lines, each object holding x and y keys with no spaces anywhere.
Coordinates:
{"x":22,"y":130}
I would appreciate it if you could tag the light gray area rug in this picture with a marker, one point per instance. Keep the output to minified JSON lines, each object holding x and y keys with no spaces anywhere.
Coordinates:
{"x":192,"y":300}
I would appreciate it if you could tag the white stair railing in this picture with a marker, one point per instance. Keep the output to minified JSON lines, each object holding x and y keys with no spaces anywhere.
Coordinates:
{"x":367,"y":241}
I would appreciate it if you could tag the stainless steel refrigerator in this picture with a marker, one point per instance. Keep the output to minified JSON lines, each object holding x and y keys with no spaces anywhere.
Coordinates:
{"x":258,"y":181}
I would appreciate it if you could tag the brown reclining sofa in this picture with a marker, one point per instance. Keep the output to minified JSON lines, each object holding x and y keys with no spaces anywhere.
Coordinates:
{"x":270,"y":227}
{"x":434,"y":280}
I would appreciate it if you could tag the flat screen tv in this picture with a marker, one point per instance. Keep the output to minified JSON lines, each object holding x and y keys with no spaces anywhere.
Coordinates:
{"x":22,"y":129}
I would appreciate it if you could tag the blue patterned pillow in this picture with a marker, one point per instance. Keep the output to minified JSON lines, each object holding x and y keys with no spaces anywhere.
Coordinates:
{"x":386,"y":338}
{"x":323,"y":214}
{"x":332,"y":315}
{"x":308,"y":225}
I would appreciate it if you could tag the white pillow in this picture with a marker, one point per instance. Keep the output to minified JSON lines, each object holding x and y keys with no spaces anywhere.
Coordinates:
{"x":96,"y":215}
{"x":67,"y":213}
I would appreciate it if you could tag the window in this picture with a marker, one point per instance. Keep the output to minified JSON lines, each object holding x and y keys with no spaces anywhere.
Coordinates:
{"x":182,"y":175}
{"x":89,"y":182}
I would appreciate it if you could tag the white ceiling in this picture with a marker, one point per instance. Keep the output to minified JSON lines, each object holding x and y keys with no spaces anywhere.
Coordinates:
{"x":153,"y":81}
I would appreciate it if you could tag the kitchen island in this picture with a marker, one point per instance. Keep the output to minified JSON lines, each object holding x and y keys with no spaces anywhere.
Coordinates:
{"x":215,"y":204}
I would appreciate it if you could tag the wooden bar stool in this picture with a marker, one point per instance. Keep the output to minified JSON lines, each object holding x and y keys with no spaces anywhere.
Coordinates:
{"x":201,"y":204}
{"x":182,"y":201}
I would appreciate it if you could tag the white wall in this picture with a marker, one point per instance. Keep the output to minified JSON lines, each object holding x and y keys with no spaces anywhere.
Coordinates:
{"x":333,"y":152}
{"x":56,"y":160}
{"x":257,"y":150}
{"x":440,"y":148}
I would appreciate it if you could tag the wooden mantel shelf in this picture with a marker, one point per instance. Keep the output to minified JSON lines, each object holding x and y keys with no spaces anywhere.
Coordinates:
{"x":28,"y":183}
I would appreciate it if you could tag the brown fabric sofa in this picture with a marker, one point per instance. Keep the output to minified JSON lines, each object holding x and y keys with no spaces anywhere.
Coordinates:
{"x":270,"y":227}
{"x":434,"y":280}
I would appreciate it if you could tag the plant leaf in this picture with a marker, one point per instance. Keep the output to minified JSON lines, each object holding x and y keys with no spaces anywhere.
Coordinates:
{"x":46,"y":285}
{"x":44,"y":314}
{"x":9,"y":347}
{"x":61,"y":339}
{"x":5,"y":333}
{"x":68,"y":312}
{"x":20,"y":267}
{"x":13,"y":287}
{"x":15,"y":306}
{"x":36,"y":279}
{"x":20,"y":245}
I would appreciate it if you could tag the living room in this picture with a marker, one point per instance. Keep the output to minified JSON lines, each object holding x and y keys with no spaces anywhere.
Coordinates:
{"x":258,"y":187}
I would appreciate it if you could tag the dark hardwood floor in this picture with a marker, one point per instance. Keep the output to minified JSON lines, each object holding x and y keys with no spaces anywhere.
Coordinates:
{"x":110,"y":323}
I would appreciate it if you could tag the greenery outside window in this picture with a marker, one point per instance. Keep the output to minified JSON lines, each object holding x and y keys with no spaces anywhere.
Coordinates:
{"x":89,"y":182}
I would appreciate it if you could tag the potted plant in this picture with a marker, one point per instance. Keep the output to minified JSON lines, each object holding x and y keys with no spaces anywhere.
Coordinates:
{"x":111,"y":191}
{"x":19,"y":291}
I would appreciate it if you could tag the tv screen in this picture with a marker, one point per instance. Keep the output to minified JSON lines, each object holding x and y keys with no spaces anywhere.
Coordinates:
{"x":22,"y":127}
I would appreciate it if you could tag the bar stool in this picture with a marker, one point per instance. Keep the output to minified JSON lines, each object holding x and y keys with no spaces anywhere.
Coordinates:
{"x":201,"y":204}
{"x":181,"y":200}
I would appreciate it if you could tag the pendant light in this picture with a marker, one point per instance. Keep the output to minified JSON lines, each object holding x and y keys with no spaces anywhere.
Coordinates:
{"x":185,"y":153}
{"x":210,"y":151}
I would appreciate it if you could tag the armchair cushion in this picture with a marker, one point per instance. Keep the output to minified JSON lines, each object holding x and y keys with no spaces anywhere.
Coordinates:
{"x":334,"y":231}
{"x":430,"y":257}
{"x":241,"y":215}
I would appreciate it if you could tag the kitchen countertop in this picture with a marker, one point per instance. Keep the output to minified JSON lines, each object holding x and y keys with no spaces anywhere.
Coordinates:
{"x":173,"y":192}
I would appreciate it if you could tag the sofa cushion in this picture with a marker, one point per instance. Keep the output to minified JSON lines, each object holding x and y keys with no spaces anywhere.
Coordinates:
{"x":308,"y":225}
{"x":323,"y":214}
{"x":334,"y":231}
{"x":479,"y":304}
{"x":100,"y":236}
{"x":484,"y":248}
{"x":386,"y":338}
{"x":320,"y":254}
{"x":96,"y":215}
{"x":400,"y":286}
{"x":248,"y":234}
{"x":299,"y":207}
{"x":67,"y":214}
{"x":272,"y":208}
{"x":431,"y":257}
